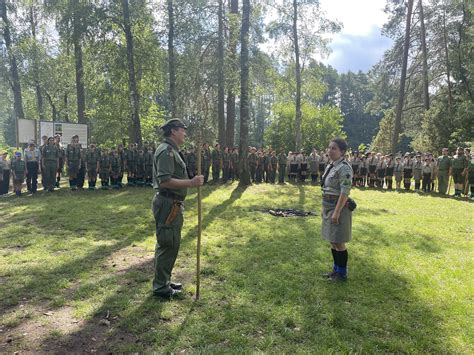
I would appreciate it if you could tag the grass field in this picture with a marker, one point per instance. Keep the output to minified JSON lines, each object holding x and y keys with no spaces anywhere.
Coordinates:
{"x":76,"y":270}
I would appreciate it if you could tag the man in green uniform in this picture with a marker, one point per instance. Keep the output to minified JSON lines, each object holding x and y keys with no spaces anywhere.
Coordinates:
{"x":274,"y":166}
{"x":131,"y":155}
{"x":282,"y":161}
{"x":62,"y":154}
{"x":170,"y":181}
{"x":459,"y":168}
{"x":92,"y":158}
{"x":216,"y":163}
{"x":148,"y":166}
{"x":234,"y":164}
{"x":225,"y":165}
{"x":73,"y":159}
{"x":50,"y":164}
{"x":252,"y":161}
{"x":115,"y":169}
{"x":444,"y":171}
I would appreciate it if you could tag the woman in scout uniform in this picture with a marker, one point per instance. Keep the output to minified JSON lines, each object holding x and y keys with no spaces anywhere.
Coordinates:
{"x":389,"y":170}
{"x":459,"y":168}
{"x":336,"y":217}
{"x":417,"y":174}
{"x":49,"y":165}
{"x":380,"y":171}
{"x":115,"y":169}
{"x":171,"y":182}
{"x":364,"y":168}
{"x":73,"y":160}
{"x":303,"y":167}
{"x":62,"y":154}
{"x":407,"y":171}
{"x":92,"y":161}
{"x":32,"y":158}
{"x":427,"y":172}
{"x":18,"y":173}
{"x":372,"y":162}
{"x":104,"y":169}
{"x":398,"y":171}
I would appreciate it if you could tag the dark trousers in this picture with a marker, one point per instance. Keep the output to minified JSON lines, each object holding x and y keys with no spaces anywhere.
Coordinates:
{"x":314,"y":178}
{"x":81,"y":176}
{"x":32,"y":176}
{"x":5,"y":184}
{"x":426,"y":184}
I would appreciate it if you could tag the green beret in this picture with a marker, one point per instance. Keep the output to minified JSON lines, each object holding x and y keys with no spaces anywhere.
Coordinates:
{"x":173,"y":123}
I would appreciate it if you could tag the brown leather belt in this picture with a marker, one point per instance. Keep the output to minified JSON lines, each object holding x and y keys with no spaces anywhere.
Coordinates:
{"x":170,"y":195}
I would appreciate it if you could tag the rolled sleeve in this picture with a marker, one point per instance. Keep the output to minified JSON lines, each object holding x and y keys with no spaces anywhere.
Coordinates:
{"x":345,"y":174}
{"x":165,"y":166}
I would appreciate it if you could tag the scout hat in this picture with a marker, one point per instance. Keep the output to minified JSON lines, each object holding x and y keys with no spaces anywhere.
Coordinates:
{"x":173,"y":123}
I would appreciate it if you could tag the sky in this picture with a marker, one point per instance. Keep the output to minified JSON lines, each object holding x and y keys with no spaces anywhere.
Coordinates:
{"x":360,"y":43}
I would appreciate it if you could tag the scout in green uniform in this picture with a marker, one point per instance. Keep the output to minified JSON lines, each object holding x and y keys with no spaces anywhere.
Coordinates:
{"x":427,"y":172}
{"x":460,"y":166}
{"x":417,"y":172}
{"x":389,"y":171}
{"x":191,"y":162}
{"x":140,"y":175}
{"x":62,"y":155}
{"x":18,"y":173}
{"x":471,"y":175}
{"x":148,"y":166}
{"x":73,"y":159}
{"x":50,"y":164}
{"x":407,"y":171}
{"x":121,"y":156}
{"x":104,"y":169}
{"x":252,"y":161}
{"x":266,"y":166}
{"x":225,"y":165}
{"x":81,"y":174}
{"x":336,"y":216}
{"x":216,"y":157}
{"x":273,"y":166}
{"x":259,"y":167}
{"x":115,"y":169}
{"x":234,"y":164}
{"x":131,"y":164}
{"x":170,"y":180}
{"x":282,"y":161}
{"x":92,"y":159}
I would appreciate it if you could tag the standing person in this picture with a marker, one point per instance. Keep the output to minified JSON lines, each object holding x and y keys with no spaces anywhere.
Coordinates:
{"x":372,"y":161}
{"x":389,"y":170}
{"x":398,"y":171}
{"x":115,"y":169}
{"x":293,"y":161}
{"x":216,"y":157}
{"x":104,"y":169}
{"x":81,"y":174}
{"x":206,"y":161}
{"x":191,"y":162}
{"x":314,"y":166}
{"x":444,"y":171}
{"x":460,"y":166}
{"x":417,"y":172}
{"x":355,"y":164}
{"x":140,"y":175}
{"x":266,"y":166}
{"x":282,"y":161}
{"x":6,"y":169}
{"x":225,"y":165}
{"x":18,"y":173}
{"x":44,"y":140}
{"x":171,"y":182}
{"x":234,"y":164}
{"x":33,"y":160}
{"x":92,"y":159}
{"x":380,"y":171}
{"x":336,"y":217}
{"x":62,"y":154}
{"x":303,"y":167}
{"x":131,"y":164}
{"x":252,"y":161}
{"x":364,"y":168}
{"x":121,"y":156}
{"x":407,"y":171}
{"x":148,"y":166}
{"x":49,"y":165}
{"x":471,"y":175}
{"x":73,"y":160}
{"x":273,"y":166}
{"x":427,"y":171}
{"x":259,"y":169}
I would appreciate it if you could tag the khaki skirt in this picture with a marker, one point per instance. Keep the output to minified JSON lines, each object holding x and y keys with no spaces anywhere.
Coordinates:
{"x":336,"y":233}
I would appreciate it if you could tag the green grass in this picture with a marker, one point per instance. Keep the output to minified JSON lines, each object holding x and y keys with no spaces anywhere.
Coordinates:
{"x":71,"y":259}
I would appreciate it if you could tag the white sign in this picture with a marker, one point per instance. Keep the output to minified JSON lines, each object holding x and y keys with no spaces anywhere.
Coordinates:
{"x":26,"y":130}
{"x":65,"y":130}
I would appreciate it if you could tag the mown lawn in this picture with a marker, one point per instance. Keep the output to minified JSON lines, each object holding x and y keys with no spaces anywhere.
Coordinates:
{"x":76,"y":270}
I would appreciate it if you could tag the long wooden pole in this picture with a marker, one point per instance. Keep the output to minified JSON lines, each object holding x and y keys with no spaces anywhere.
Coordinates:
{"x":198,"y":249}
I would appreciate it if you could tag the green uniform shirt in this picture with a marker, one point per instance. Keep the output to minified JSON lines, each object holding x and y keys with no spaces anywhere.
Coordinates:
{"x":216,"y":156}
{"x":444,"y":162}
{"x":460,"y":162}
{"x":50,"y":153}
{"x":73,"y":152}
{"x":252,"y":158}
{"x":282,"y":159}
{"x":168,"y":164}
{"x":115,"y":164}
{"x":104,"y":164}
{"x":18,"y":167}
{"x":92,"y":157}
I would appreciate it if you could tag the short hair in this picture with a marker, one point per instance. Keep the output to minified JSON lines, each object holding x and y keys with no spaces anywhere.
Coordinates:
{"x":341,"y":144}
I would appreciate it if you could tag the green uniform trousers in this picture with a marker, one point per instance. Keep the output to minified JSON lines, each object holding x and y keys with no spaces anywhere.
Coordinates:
{"x":443,"y":181}
{"x":281,"y":174}
{"x":168,"y":238}
{"x":49,"y":174}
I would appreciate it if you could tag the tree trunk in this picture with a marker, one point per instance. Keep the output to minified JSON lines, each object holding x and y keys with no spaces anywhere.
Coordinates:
{"x":135,"y":129}
{"x":448,"y":68}
{"x":230,"y":124}
{"x":39,"y":96}
{"x":54,"y":111}
{"x":426,"y":94}
{"x":244,"y":93}
{"x":297,"y":77}
{"x":76,"y":39}
{"x":171,"y":59}
{"x":66,"y":98}
{"x":401,"y":94}
{"x":14,"y":76}
{"x":220,"y":77}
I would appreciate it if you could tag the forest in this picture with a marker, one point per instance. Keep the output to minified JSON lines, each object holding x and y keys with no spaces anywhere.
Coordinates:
{"x":124,"y":67}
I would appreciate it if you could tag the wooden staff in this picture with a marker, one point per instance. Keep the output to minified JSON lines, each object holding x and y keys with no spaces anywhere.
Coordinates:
{"x":198,"y":249}
{"x":449,"y":185}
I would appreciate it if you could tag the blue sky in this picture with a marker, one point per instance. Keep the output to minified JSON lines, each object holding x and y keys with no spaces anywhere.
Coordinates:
{"x":360,"y":44}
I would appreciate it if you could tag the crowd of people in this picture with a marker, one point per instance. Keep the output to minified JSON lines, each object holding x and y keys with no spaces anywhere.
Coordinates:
{"x":418,"y":171}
